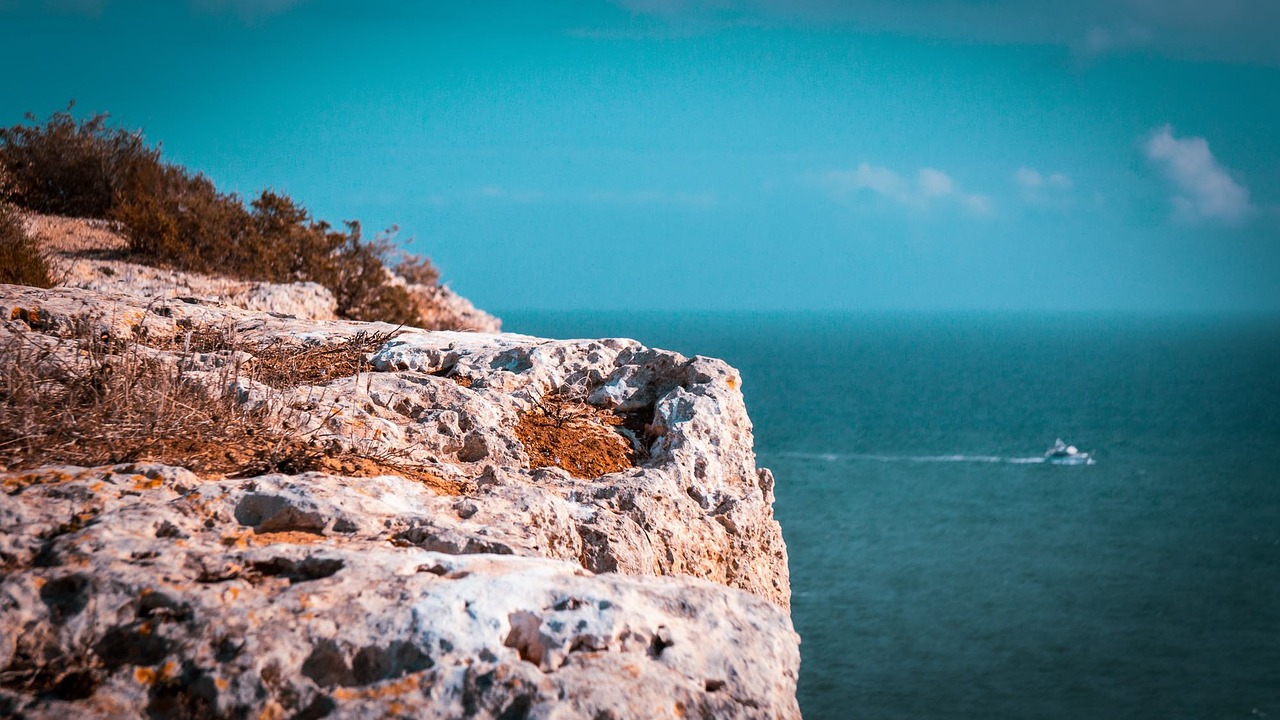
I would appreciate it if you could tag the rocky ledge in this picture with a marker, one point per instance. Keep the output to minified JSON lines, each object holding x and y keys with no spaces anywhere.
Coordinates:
{"x":485,"y":525}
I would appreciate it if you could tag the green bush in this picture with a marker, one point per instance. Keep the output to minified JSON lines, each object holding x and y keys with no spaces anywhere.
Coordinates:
{"x":22,"y":261}
{"x":179,"y":219}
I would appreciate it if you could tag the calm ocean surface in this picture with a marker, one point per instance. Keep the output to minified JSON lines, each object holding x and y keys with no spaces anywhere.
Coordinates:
{"x":935,"y":575}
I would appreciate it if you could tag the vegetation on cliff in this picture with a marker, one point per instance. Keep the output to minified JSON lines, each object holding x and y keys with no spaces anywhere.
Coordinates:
{"x":176,"y":400}
{"x":178,"y":218}
{"x":22,"y":260}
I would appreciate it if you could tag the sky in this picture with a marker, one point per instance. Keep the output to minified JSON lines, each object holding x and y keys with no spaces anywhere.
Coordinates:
{"x":864,"y":155}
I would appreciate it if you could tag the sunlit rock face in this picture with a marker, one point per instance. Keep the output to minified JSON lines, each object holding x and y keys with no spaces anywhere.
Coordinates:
{"x":471,"y":584}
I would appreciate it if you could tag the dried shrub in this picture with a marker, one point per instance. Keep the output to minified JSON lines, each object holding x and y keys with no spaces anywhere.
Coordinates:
{"x":282,"y":367}
{"x":65,"y":167}
{"x":6,"y":184}
{"x":364,"y":288}
{"x":417,"y":270}
{"x":105,"y":404}
{"x":563,"y":431}
{"x":98,"y":401}
{"x":22,"y":260}
{"x":177,"y":218}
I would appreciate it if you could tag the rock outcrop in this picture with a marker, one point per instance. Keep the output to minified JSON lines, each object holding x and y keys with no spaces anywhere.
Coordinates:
{"x":497,"y":589}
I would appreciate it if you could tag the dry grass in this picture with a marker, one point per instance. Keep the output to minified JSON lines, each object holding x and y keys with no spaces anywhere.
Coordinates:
{"x":566,"y":432}
{"x":282,"y":366}
{"x":22,"y":260}
{"x":107,"y":402}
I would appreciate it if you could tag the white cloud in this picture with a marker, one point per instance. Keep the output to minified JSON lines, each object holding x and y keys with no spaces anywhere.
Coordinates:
{"x":935,"y":183}
{"x":1052,"y":190}
{"x":1205,"y":188}
{"x":1031,"y":179}
{"x":931,"y":186}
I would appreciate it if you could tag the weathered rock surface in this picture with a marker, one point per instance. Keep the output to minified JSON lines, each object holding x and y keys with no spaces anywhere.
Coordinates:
{"x":297,"y":596}
{"x":657,"y":591}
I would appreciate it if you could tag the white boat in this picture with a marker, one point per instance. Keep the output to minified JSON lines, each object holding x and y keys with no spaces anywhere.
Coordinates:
{"x":1064,"y":454}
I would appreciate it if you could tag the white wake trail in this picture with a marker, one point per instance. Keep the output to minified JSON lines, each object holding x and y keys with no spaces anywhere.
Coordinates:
{"x":846,"y":457}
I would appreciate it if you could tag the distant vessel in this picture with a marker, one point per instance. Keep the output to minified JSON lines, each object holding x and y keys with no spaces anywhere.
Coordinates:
{"x":1064,"y":454}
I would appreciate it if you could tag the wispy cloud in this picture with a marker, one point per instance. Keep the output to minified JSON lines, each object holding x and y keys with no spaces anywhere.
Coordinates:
{"x":1205,"y":190}
{"x":930,"y":187}
{"x":1051,"y":190}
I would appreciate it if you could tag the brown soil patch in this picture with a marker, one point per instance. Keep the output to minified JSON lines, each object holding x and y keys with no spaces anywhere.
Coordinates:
{"x":575,"y":436}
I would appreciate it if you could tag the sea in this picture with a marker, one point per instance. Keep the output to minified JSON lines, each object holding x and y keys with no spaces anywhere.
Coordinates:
{"x":941,"y":569}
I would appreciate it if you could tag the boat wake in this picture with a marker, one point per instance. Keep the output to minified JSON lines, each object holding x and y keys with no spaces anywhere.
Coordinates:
{"x":851,"y":457}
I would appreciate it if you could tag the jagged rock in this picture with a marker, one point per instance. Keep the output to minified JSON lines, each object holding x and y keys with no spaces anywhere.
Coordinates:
{"x":274,"y":595}
{"x":657,"y":590}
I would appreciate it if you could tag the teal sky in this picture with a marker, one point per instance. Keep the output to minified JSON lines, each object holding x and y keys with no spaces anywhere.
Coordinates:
{"x":715,"y":155}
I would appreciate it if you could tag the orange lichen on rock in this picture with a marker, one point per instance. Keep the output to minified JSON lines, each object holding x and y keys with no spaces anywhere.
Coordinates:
{"x":29,"y":316}
{"x":235,"y":540}
{"x":43,"y":476}
{"x":142,"y":482}
{"x":406,"y":684}
{"x":292,"y":537}
{"x":151,"y":676}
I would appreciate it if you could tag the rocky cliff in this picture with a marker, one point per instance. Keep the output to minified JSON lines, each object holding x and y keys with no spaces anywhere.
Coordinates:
{"x":464,"y":524}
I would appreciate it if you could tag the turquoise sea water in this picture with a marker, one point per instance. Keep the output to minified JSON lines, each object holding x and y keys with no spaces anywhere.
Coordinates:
{"x":938,"y":571}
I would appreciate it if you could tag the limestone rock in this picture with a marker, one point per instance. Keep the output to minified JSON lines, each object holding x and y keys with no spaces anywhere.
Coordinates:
{"x":281,"y":596}
{"x":659,"y":590}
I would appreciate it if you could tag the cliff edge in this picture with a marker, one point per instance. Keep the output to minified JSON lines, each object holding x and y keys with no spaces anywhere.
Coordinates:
{"x":410,"y":524}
